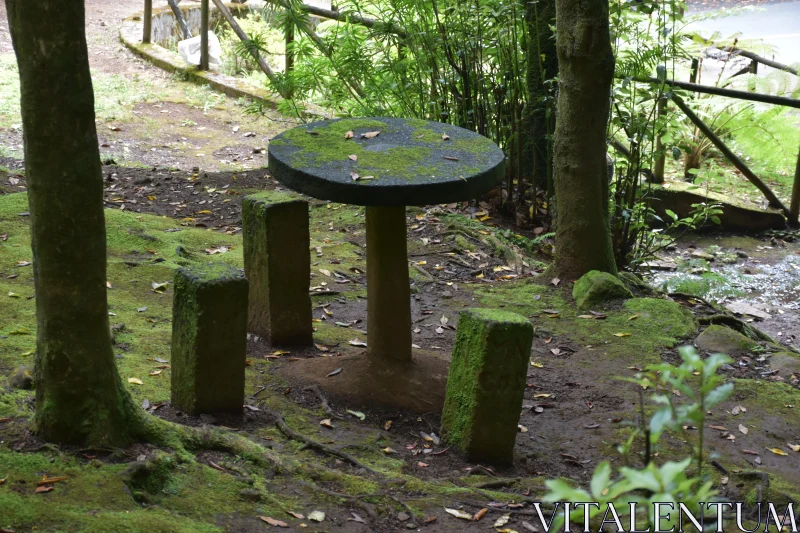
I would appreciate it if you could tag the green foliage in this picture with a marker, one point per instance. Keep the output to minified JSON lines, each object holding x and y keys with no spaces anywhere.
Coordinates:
{"x":701,"y":389}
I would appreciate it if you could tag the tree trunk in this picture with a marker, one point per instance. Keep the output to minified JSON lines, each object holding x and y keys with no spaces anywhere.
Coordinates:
{"x":542,"y":64}
{"x":586,"y":69}
{"x":79,"y":396}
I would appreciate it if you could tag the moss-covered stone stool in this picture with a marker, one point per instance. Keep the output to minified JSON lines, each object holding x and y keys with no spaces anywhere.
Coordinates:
{"x":277,"y":264}
{"x":486,"y":384}
{"x":386,"y":164}
{"x":209,"y":339}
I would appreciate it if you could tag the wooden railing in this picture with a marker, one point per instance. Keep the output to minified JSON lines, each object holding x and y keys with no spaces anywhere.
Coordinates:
{"x":793,"y":211}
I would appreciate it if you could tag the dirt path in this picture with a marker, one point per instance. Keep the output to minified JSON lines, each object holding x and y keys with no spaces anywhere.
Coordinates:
{"x":146,"y":116}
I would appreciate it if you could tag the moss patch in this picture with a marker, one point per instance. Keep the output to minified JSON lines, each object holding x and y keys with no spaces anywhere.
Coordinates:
{"x":595,"y":288}
{"x":657,"y":324}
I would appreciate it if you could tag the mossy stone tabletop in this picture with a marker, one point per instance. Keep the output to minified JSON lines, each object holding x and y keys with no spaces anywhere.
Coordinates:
{"x":408,"y":162}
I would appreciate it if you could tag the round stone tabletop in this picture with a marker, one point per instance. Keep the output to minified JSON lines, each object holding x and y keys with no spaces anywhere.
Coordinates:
{"x":385,"y":161}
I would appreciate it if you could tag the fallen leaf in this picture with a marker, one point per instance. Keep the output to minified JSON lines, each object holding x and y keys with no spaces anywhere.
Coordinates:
{"x":357,"y":342}
{"x":156,"y":372}
{"x":370,"y":134}
{"x":480,"y":514}
{"x":326,"y":423}
{"x":743,"y":429}
{"x":349,"y":135}
{"x":777,"y":451}
{"x":445,"y":137}
{"x":738,"y":409}
{"x":296,"y":515}
{"x":325,"y":272}
{"x":622,"y":334}
{"x":159,"y":287}
{"x":353,"y":157}
{"x":633,"y":317}
{"x":537,"y":365}
{"x":388,"y":425}
{"x":521,"y":428}
{"x":422,"y":465}
{"x":724,"y":480}
{"x":554,"y":282}
{"x":388,"y":450}
{"x":458,"y":513}
{"x":273,"y":522}
{"x":51,"y":480}
{"x":450,"y":158}
{"x":357,"y":414}
{"x":335,"y":372}
{"x":316,"y":516}
{"x":503,"y":520}
{"x":45,"y":488}
{"x":542,"y":395}
{"x":135,"y":381}
{"x":356,"y":518}
{"x":794,"y":447}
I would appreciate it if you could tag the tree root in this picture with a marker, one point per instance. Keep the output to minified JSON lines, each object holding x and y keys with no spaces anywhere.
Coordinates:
{"x":497,"y":484}
{"x":292,"y":434}
{"x":323,"y":401}
{"x":745,"y":329}
{"x":354,"y":500}
{"x":723,"y":317}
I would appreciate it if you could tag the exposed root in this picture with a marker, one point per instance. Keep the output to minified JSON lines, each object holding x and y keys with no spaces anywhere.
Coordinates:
{"x":724,"y":318}
{"x":323,"y":401}
{"x":292,"y":434}
{"x":498,"y":483}
{"x":183,"y":439}
{"x":354,"y":500}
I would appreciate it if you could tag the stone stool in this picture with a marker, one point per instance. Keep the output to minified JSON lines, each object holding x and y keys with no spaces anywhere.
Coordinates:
{"x":209,"y":339}
{"x":486,"y":383}
{"x":278,"y":265}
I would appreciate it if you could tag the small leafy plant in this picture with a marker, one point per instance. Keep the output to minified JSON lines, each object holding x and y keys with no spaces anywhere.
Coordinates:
{"x":692,"y":388}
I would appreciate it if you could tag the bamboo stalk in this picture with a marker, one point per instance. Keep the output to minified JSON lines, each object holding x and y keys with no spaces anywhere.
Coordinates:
{"x":733,"y":158}
{"x":658,"y":167}
{"x":795,"y":206}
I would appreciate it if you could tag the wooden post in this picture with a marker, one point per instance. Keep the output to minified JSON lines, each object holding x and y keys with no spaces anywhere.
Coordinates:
{"x":147,"y":21}
{"x":795,"y":206}
{"x":658,"y":167}
{"x":204,"y":35}
{"x":730,"y":156}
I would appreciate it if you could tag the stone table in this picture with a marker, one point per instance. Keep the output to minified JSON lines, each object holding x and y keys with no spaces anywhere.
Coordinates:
{"x":386,"y":164}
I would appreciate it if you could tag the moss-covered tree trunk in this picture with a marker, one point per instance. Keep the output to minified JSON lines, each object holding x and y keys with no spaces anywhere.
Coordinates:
{"x":586,"y":69}
{"x":79,"y":395}
{"x":541,"y":65}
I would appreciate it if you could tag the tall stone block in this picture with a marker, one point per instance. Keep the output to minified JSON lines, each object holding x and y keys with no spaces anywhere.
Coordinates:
{"x":486,"y":384}
{"x":209,"y":339}
{"x":277,"y":264}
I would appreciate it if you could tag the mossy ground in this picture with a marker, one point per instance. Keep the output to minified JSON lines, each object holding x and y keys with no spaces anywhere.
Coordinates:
{"x":194,"y":497}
